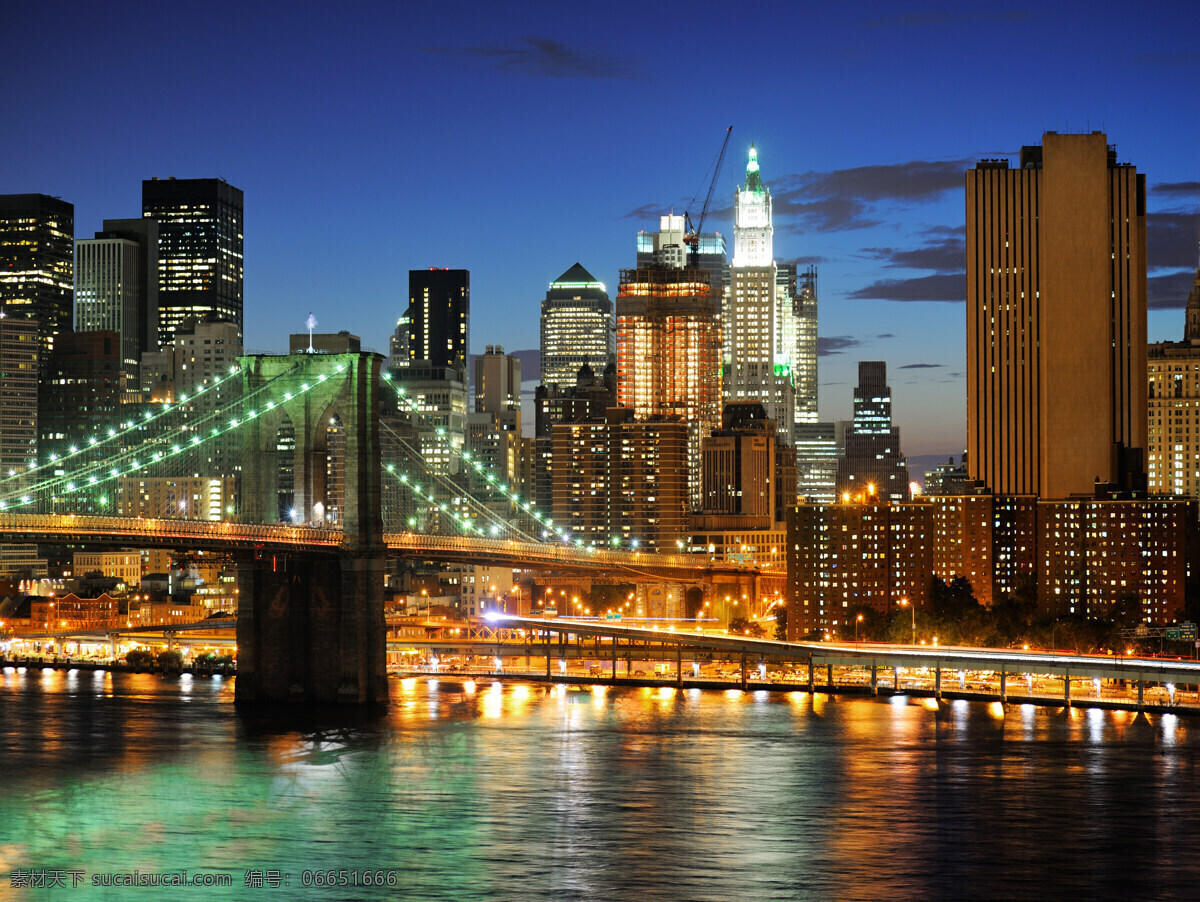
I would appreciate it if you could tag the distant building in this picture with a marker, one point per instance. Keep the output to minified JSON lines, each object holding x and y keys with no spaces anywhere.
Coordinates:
{"x":587,"y":399}
{"x":576,"y":327}
{"x":83,"y":389}
{"x":620,"y":481}
{"x":1173,"y":407}
{"x":37,"y":236}
{"x":949,"y":479}
{"x":871,"y":461}
{"x":1056,"y":320}
{"x":200,"y":251}
{"x":116,"y":288}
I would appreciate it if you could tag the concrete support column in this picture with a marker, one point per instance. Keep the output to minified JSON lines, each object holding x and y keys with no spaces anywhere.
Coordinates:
{"x":614,"y":658}
{"x":1141,"y":694}
{"x":811,"y":685}
{"x":547,"y":654}
{"x":874,"y":680}
{"x":829,"y":676}
{"x":1003,"y":686}
{"x":679,"y":664}
{"x":937,"y":682}
{"x":1067,"y":689}
{"x":743,"y":670}
{"x":895,"y":679}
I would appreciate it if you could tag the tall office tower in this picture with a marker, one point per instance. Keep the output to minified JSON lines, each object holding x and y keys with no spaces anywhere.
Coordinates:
{"x":1173,"y":408}
{"x":116,"y":287}
{"x":1056,"y":320}
{"x":871,"y":462}
{"x":199,"y":250}
{"x":804,"y":354}
{"x":758,"y":368}
{"x":37,"y":242}
{"x":435,"y":328}
{"x":576,"y":327}
{"x":20,"y":349}
{"x":19,"y":353}
{"x":668,"y":353}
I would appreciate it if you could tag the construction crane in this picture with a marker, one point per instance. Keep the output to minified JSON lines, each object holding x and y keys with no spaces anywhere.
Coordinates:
{"x":692,"y":236}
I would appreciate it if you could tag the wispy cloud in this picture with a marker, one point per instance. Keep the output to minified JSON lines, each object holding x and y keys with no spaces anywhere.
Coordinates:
{"x":951,"y":287}
{"x":835,"y":344}
{"x":845,"y":199}
{"x":1177,"y":188}
{"x":848,"y":198}
{"x":1171,"y":239}
{"x":544,"y":57}
{"x":921,"y":366}
{"x":1169,"y":291}
{"x":944,"y":255}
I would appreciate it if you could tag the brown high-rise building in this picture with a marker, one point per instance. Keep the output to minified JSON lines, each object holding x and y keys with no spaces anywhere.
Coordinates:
{"x":1056,"y":320}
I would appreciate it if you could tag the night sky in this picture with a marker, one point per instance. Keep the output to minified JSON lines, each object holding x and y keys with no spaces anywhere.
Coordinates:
{"x":516,"y":139}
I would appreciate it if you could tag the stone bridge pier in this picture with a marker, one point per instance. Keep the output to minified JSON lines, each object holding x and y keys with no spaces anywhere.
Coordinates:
{"x":310,"y":625}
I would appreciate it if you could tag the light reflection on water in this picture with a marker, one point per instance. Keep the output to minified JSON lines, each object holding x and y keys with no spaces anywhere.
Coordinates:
{"x":527,"y":791}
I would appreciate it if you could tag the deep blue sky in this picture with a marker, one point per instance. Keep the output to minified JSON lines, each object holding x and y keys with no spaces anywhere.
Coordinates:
{"x":517,"y":139}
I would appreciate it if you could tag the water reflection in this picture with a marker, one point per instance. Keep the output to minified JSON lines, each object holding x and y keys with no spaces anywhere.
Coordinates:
{"x":528,"y":791}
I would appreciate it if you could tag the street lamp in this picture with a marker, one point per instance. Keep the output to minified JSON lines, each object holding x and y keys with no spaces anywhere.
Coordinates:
{"x":912,"y":610}
{"x":857,"y":621}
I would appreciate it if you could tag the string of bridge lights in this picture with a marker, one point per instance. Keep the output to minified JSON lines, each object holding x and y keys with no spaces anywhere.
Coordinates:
{"x":543,"y":520}
{"x":83,"y":479}
{"x":97,"y":441}
{"x":403,"y":478}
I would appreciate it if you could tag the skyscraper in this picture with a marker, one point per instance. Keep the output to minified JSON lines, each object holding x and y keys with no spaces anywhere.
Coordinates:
{"x":436,"y":324}
{"x":1056,"y":320}
{"x":199,"y":250}
{"x":668,"y":353}
{"x":872,"y":462}
{"x":576,"y":327}
{"x":116,"y":287}
{"x":37,"y":236}
{"x":759,"y":368}
{"x":19,"y":352}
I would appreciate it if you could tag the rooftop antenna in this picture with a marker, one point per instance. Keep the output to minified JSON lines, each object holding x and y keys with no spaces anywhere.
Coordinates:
{"x":311,"y":322}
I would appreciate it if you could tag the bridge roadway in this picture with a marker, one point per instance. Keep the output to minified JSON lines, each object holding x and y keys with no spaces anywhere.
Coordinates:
{"x":1002,"y":663}
{"x":227,"y":536}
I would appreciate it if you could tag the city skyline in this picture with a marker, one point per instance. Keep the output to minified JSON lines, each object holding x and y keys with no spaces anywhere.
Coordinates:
{"x":354,"y":172}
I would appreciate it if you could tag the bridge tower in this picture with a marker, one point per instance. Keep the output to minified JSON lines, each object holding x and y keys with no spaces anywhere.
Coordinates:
{"x":310,"y":625}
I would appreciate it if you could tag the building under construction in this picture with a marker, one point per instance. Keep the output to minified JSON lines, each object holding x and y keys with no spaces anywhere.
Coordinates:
{"x":669,"y":352}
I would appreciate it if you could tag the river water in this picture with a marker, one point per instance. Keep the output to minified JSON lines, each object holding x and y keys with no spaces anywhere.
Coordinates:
{"x":522,"y":791}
